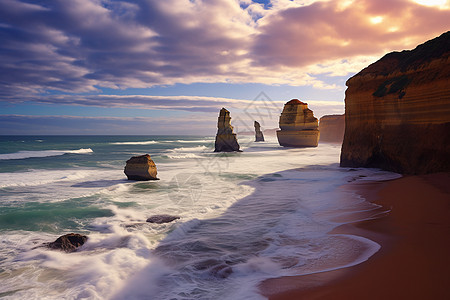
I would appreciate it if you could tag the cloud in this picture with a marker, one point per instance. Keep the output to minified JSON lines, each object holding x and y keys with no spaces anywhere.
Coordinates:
{"x":307,"y":35}
{"x":81,"y":46}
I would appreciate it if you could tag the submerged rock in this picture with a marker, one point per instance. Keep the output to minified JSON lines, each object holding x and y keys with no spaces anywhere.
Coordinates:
{"x":299,"y":127}
{"x":140,"y":168}
{"x":68,"y":242}
{"x":225,"y":138}
{"x":259,"y":137}
{"x":160,"y":219}
{"x":397,"y":111}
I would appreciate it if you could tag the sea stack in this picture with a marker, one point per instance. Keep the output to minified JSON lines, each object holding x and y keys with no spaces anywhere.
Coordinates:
{"x":332,"y":128}
{"x":225,"y":138}
{"x":397,"y":111}
{"x":141,"y":168}
{"x":259,"y":137}
{"x":299,"y":127}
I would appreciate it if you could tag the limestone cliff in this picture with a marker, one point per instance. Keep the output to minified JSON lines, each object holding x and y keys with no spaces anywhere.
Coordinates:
{"x":259,"y":137}
{"x":141,"y":168}
{"x":298,"y":126}
{"x":332,"y":128}
{"x":225,"y":138}
{"x":397,"y":111}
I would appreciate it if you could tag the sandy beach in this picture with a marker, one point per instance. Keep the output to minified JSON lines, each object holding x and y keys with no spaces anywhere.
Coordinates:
{"x":413,"y":261}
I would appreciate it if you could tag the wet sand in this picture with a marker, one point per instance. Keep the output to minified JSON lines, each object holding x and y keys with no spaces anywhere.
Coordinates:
{"x":414,"y":259}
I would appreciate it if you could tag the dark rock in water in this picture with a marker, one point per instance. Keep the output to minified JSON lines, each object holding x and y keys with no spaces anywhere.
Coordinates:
{"x":160,"y":219}
{"x":397,"y":112}
{"x":259,"y":137}
{"x":225,"y":138}
{"x":68,"y":242}
{"x":141,"y":168}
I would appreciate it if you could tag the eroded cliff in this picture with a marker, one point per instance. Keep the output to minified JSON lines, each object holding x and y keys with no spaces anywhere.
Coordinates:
{"x":332,"y":128}
{"x":397,"y":111}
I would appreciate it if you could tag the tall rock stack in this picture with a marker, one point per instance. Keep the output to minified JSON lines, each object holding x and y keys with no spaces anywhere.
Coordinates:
{"x":299,"y":127}
{"x":259,"y":137}
{"x":225,"y":138}
{"x":397,"y":111}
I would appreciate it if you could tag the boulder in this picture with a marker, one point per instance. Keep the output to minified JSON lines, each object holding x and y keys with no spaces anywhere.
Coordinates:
{"x":332,"y":128}
{"x":259,"y":137}
{"x":397,"y":111}
{"x":160,"y":219}
{"x":225,"y":138}
{"x":298,"y":126}
{"x":68,"y":242}
{"x":140,"y":168}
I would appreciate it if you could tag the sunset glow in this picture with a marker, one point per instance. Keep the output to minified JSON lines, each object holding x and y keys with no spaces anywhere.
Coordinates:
{"x":55,"y":56}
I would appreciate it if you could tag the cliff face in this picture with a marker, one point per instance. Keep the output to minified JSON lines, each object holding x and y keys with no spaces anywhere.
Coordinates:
{"x":299,"y":127}
{"x":397,"y":111}
{"x":332,"y":128}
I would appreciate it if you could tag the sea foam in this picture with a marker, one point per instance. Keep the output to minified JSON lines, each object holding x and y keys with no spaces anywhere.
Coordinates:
{"x":43,"y":153}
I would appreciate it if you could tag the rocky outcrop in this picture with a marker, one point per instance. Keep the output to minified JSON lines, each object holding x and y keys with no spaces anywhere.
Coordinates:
{"x":225,"y":139}
{"x":332,"y":128}
{"x":397,"y":111}
{"x":259,"y":137}
{"x":141,"y":168}
{"x":161,"y":219}
{"x":298,"y":126}
{"x":69,"y":242}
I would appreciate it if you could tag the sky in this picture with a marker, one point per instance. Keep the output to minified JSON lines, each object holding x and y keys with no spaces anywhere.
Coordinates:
{"x":149,"y":67}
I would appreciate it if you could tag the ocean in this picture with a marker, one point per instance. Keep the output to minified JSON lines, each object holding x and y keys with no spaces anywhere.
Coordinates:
{"x":244,"y":217}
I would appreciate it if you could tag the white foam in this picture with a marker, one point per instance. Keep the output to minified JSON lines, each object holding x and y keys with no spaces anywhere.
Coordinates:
{"x":43,"y":153}
{"x":292,"y":210}
{"x":41,"y":177}
{"x":135,"y":143}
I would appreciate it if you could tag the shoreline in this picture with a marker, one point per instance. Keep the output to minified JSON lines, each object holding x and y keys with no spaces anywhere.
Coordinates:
{"x":415,"y":241}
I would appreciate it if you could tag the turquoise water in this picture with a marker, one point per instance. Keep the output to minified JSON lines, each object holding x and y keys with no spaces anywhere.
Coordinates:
{"x":244,"y":217}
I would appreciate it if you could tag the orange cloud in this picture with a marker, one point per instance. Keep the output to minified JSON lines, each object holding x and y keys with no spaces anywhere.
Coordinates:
{"x":324,"y":31}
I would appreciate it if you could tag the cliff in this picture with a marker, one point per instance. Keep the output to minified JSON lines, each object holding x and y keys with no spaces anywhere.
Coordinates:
{"x":298,"y":126}
{"x":226,"y":140}
{"x":332,"y":128}
{"x":397,"y":111}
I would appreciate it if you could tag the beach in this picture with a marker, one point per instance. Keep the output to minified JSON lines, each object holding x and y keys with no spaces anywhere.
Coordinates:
{"x":413,"y":260}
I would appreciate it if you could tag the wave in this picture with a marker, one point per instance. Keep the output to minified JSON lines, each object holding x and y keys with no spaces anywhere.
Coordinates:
{"x":188,"y":149}
{"x":135,"y":143}
{"x":158,"y":142}
{"x":43,"y":153}
{"x":39,"y":177}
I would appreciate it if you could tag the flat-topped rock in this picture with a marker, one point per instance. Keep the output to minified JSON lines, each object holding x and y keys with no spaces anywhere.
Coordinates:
{"x":259,"y":137}
{"x":298,"y":126}
{"x":141,"y":168}
{"x":226,"y":140}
